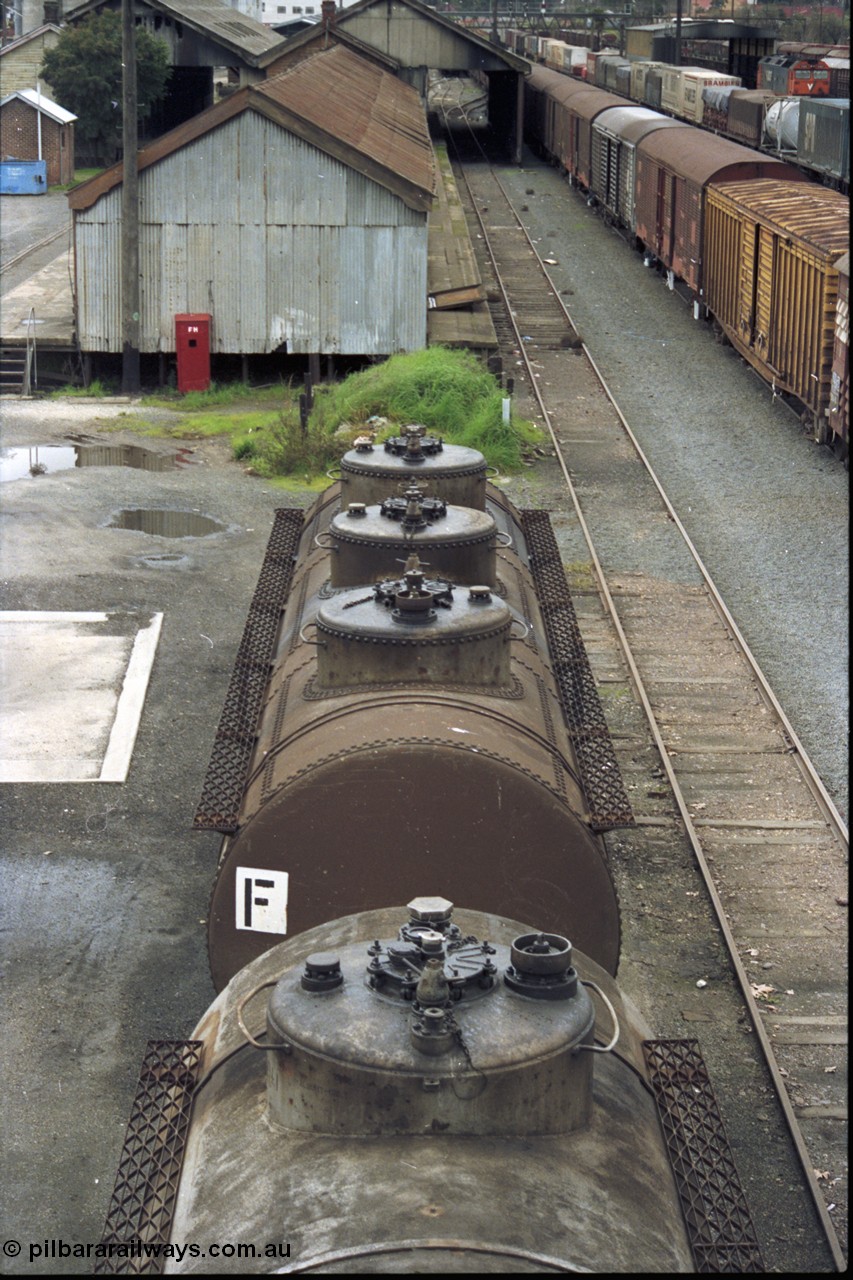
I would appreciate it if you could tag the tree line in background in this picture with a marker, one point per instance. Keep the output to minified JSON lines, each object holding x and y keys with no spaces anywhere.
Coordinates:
{"x":84,"y":70}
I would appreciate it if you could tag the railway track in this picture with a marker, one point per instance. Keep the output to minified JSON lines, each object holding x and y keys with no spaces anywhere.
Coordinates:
{"x":710,"y":760}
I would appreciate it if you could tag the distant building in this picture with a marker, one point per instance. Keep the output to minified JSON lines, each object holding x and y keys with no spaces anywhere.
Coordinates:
{"x":21,"y":59}
{"x":32,"y":127}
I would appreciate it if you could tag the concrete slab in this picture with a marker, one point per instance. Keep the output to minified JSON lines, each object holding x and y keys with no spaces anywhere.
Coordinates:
{"x":72,"y":686}
{"x":48,"y":295}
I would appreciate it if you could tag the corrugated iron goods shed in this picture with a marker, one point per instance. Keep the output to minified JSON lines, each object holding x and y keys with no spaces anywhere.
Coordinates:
{"x":771,"y":278}
{"x":213,"y":21}
{"x":418,"y":39}
{"x":310,"y":238}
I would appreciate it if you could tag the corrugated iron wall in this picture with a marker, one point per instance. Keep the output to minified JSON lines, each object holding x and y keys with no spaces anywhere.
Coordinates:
{"x":283,"y":244}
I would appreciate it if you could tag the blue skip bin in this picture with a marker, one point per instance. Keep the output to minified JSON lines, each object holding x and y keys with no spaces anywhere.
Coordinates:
{"x":23,"y":177}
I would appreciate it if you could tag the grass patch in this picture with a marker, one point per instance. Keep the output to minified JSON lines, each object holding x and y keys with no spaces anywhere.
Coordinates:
{"x":96,"y":389}
{"x":450,"y":392}
{"x":218,"y":394}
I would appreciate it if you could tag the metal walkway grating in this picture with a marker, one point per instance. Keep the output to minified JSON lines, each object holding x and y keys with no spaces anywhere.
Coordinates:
{"x":606,"y":796}
{"x":146,"y":1187}
{"x":225,"y":779}
{"x":712,"y":1200}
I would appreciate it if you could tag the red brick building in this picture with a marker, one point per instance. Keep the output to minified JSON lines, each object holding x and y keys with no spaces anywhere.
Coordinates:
{"x":33,"y":127}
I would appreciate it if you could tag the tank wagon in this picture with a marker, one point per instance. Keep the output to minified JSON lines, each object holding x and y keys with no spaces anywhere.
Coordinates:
{"x":423,"y":694}
{"x":428,"y":1090}
{"x":663,"y":180}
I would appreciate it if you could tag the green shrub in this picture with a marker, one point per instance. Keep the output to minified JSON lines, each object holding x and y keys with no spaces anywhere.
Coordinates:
{"x":448,"y":391}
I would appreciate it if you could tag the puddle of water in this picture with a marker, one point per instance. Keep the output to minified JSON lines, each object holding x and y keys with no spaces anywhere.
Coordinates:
{"x":164,"y":561}
{"x":43,"y":459}
{"x":166,"y":524}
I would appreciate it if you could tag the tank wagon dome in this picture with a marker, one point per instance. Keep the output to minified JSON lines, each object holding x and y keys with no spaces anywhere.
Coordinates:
{"x":439,"y":1090}
{"x":369,"y":472}
{"x":370,"y":541}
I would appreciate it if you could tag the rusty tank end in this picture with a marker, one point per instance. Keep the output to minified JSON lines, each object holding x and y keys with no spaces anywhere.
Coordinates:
{"x":366,"y":767}
{"x":409,"y":712}
{"x":448,"y":1091}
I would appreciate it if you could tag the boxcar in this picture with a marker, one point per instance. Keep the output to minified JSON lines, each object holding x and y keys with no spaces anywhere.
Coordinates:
{"x":615,"y":134}
{"x":581,"y":110}
{"x":673,"y":170}
{"x":771,"y":280}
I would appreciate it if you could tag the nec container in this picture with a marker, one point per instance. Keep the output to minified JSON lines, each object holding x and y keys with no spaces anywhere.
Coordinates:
{"x":747,"y":111}
{"x":771,"y":279}
{"x":823,"y":136}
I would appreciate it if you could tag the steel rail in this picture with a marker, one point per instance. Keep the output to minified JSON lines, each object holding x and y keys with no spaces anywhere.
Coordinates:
{"x":33,"y":248}
{"x":833,"y":817}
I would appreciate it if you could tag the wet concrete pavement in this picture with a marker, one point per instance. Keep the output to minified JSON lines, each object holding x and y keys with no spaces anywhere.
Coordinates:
{"x":106,"y":885}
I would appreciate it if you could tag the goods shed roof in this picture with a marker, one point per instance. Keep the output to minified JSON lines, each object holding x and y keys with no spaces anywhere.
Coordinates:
{"x":211,"y":19}
{"x":401,"y":29}
{"x":347,"y":107}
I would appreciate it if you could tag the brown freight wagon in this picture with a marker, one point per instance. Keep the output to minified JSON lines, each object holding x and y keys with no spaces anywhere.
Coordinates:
{"x":581,"y":110}
{"x":674,"y":168}
{"x":771,"y":281}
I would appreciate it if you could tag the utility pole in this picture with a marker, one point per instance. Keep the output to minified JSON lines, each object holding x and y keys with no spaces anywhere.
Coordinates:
{"x":129,"y":206}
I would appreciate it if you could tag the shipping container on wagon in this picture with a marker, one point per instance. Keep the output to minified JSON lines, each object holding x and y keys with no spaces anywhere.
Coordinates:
{"x":782,"y":124}
{"x":747,"y":112}
{"x":715,"y":106}
{"x":771,"y":280}
{"x":673,"y":170}
{"x":839,"y":387}
{"x":639,"y":70}
{"x":692,"y":83}
{"x":654,"y":88}
{"x":554,"y":54}
{"x":575,"y":61}
{"x":670,"y":89}
{"x":606,"y":67}
{"x":823,"y":137}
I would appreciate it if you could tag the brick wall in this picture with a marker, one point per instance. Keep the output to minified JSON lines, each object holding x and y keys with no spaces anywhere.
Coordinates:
{"x":19,"y":140}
